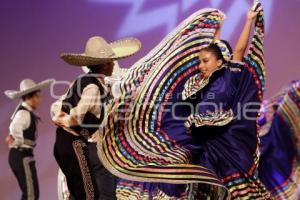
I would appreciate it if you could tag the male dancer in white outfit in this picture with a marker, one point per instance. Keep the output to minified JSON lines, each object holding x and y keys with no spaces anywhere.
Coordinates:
{"x":22,"y":136}
{"x":78,"y":116}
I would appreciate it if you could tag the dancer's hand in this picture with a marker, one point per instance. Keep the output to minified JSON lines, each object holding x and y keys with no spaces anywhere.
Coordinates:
{"x":252,"y":15}
{"x":57,"y":119}
{"x":95,"y":137}
{"x":9,"y":140}
{"x":64,"y":120}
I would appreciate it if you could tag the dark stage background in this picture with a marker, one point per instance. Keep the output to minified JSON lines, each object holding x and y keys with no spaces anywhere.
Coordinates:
{"x":35,"y":32}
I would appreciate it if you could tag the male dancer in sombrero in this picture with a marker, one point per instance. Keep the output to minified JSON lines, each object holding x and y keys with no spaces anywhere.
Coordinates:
{"x":107,"y":188}
{"x":80,"y":112}
{"x":22,"y":136}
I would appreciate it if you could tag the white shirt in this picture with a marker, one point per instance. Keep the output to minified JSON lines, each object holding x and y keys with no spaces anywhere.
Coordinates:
{"x":90,"y":101}
{"x":20,"y":122}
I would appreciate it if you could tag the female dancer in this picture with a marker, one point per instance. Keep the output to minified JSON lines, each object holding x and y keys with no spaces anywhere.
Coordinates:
{"x":160,"y":147}
{"x":279,"y":162}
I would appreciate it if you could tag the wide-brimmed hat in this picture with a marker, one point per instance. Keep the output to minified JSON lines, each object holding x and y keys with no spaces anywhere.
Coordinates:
{"x":27,"y":86}
{"x":98,"y":51}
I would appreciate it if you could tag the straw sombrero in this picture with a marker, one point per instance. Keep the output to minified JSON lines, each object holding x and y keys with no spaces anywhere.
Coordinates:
{"x":27,"y":86}
{"x":98,"y":51}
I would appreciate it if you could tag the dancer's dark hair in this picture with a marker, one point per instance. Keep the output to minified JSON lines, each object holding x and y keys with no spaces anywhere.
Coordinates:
{"x":214,"y":49}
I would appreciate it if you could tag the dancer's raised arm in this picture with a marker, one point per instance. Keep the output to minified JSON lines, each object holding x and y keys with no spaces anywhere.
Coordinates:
{"x":242,"y":43}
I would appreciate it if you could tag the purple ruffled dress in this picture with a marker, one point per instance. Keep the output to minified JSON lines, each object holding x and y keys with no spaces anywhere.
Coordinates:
{"x":279,"y":166}
{"x":164,"y":136}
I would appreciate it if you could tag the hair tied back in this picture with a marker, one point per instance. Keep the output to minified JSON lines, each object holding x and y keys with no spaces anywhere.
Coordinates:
{"x":225,"y":49}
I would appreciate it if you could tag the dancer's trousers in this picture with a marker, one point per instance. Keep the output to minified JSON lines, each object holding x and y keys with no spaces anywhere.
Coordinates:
{"x":71,"y":154}
{"x":106,"y":182}
{"x":22,"y":163}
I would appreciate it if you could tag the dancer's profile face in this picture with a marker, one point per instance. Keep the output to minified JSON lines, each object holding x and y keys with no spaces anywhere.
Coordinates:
{"x":105,"y":68}
{"x":208,"y":63}
{"x":34,"y":101}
